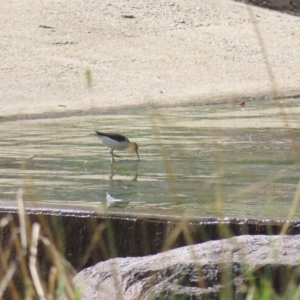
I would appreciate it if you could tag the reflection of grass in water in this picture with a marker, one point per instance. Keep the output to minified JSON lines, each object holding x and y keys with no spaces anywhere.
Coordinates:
{"x":27,"y":240}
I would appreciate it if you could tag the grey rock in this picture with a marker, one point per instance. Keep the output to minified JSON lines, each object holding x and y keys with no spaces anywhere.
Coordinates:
{"x":196,"y":271}
{"x":281,"y":5}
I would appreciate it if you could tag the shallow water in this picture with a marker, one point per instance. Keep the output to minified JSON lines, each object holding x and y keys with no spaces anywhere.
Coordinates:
{"x":196,"y":159}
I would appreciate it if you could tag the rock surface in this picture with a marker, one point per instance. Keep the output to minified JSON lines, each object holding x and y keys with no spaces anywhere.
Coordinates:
{"x":292,"y":6}
{"x":196,"y":272}
{"x":141,"y":53}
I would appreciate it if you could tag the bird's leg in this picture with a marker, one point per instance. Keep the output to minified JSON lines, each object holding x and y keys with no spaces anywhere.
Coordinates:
{"x":114,"y":155}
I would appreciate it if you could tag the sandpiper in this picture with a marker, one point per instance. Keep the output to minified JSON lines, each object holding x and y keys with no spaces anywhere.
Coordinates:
{"x":115,"y":141}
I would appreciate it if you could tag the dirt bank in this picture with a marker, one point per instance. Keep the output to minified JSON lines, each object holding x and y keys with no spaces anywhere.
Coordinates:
{"x":140,"y":53}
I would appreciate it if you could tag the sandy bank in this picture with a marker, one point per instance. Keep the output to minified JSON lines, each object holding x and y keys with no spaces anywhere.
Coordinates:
{"x":140,"y":53}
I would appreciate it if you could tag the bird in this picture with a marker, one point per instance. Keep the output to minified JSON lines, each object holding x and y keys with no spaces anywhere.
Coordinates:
{"x":115,"y":141}
{"x":243,"y":104}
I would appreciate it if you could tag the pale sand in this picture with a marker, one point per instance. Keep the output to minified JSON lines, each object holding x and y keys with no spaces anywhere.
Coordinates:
{"x":171,"y":52}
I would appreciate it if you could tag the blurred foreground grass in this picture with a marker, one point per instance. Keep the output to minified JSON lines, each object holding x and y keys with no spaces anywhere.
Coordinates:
{"x":32,"y":258}
{"x":23,"y":277}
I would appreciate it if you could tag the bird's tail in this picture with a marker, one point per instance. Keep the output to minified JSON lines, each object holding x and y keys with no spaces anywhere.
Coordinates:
{"x":99,"y":133}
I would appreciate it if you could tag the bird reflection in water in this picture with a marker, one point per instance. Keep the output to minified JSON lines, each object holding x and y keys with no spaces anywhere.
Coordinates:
{"x":124,"y":168}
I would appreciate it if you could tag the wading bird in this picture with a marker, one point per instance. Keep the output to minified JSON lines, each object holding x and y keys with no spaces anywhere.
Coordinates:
{"x":115,"y":141}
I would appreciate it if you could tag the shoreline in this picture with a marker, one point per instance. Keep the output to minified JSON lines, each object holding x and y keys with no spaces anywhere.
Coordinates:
{"x":115,"y":110}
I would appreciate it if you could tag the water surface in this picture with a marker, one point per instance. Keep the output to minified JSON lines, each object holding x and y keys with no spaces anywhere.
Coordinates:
{"x":206,"y":160}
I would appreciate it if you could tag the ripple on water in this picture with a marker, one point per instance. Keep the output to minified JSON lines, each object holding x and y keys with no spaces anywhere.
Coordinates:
{"x":199,"y":159}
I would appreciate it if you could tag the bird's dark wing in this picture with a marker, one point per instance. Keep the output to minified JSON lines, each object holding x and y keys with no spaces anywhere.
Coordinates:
{"x":114,"y":136}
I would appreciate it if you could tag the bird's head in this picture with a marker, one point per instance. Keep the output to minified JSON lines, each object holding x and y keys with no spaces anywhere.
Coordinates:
{"x":134,"y":148}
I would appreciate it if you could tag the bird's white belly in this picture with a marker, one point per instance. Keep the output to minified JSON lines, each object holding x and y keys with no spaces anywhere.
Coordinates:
{"x":113,"y":144}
